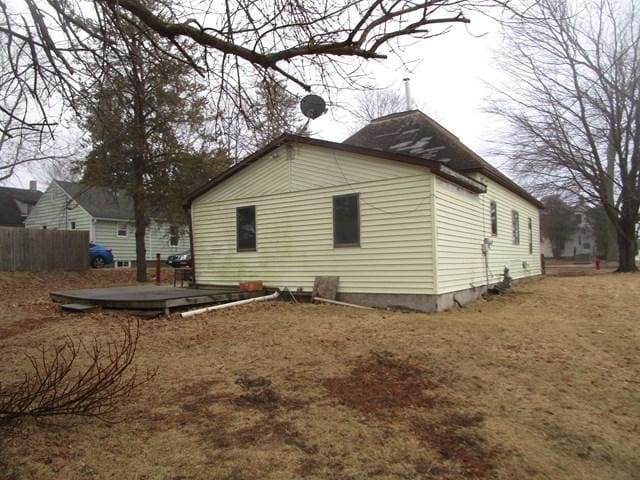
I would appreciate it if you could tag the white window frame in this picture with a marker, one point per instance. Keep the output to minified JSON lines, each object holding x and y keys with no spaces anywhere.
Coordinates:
{"x":118,"y":229}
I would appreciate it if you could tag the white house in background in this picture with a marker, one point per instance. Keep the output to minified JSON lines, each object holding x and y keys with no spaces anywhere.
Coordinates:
{"x":108,"y":216}
{"x":402,"y":211}
{"x":582,"y":242}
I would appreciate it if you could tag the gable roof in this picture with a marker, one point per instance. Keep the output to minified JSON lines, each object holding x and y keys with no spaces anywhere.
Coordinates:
{"x":436,"y":167}
{"x":100,"y":202}
{"x":416,"y":134}
{"x":10,"y":213}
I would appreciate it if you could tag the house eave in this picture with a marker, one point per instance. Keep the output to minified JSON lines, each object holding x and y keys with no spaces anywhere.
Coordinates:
{"x":436,"y":167}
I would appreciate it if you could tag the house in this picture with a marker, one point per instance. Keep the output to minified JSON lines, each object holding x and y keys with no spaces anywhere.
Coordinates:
{"x":581,"y":243}
{"x":402,"y":211}
{"x":16,"y":203}
{"x":108,"y":216}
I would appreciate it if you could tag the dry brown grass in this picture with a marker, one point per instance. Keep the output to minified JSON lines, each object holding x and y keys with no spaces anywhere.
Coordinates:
{"x":540,"y":383}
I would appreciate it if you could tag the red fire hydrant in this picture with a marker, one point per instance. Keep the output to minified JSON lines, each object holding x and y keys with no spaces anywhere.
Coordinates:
{"x":597,"y":263}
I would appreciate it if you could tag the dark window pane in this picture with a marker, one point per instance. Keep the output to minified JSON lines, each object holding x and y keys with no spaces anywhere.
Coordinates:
{"x":246,"y":228}
{"x":346,"y":220}
{"x":494,"y":218}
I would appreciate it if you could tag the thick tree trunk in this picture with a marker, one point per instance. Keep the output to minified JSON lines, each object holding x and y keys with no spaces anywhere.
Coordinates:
{"x":612,"y":242}
{"x":141,"y":248}
{"x":627,"y":245}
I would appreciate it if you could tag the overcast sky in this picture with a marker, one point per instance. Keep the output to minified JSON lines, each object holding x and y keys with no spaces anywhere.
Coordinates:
{"x":448,"y":82}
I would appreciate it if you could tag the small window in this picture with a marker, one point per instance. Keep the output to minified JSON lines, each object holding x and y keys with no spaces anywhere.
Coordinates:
{"x":515,"y":226}
{"x":530,"y":236}
{"x":346,"y":221}
{"x":246,"y":229}
{"x":174,"y":235}
{"x":123,"y":230}
{"x":587,"y":245}
{"x":73,"y":225}
{"x":122,"y":264}
{"x":494,"y":218}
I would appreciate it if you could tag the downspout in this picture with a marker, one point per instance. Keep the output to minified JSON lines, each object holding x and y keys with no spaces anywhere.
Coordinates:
{"x":194,"y":283}
{"x":486,"y":245}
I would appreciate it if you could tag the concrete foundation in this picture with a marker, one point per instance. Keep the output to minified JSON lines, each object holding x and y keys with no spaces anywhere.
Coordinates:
{"x":421,"y":303}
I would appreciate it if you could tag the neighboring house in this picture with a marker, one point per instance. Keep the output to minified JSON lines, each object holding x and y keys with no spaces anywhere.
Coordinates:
{"x":401,"y":211}
{"x":109,"y":218}
{"x":582,"y":242}
{"x":16,"y":203}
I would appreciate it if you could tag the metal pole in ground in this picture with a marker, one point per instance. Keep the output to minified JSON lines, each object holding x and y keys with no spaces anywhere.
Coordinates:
{"x":157,"y":269}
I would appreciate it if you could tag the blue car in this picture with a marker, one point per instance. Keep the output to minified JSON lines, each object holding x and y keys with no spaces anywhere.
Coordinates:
{"x":99,"y":255}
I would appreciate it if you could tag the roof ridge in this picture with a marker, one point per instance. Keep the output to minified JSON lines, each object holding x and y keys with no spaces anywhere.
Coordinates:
{"x":395,"y":115}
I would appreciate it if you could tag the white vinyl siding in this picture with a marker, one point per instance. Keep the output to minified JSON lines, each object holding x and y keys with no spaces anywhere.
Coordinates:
{"x":157,"y":240}
{"x":57,"y":211}
{"x":460,"y":262}
{"x":295,"y":228}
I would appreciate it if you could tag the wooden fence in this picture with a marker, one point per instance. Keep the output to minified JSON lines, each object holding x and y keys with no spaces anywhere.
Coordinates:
{"x":35,"y":250}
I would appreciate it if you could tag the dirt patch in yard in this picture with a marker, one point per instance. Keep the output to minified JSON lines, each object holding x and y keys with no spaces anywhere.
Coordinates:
{"x":539,"y":383}
{"x":381,"y":383}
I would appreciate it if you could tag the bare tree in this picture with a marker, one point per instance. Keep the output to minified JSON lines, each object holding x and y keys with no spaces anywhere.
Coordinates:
{"x":56,"y":387}
{"x":574,"y":105}
{"x":24,"y":139}
{"x":377,"y":103}
{"x":234,"y":43}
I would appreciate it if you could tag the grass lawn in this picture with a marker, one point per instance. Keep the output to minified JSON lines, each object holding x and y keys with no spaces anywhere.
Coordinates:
{"x":543,"y":382}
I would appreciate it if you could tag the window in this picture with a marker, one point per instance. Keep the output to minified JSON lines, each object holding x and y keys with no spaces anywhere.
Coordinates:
{"x":246,"y":229}
{"x":578,"y":218}
{"x":346,"y":221}
{"x":587,"y":245}
{"x":174,"y":235}
{"x":530,"y":236}
{"x":515,"y":226}
{"x":122,"y":264}
{"x":73,"y":225}
{"x":494,"y":218}
{"x":122,"y":230}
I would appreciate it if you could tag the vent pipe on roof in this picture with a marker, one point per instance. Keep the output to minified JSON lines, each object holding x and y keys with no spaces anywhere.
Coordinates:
{"x":407,"y":93}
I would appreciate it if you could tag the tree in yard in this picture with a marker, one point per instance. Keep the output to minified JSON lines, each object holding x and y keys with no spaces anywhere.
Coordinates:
{"x":557,"y":223}
{"x":575,"y":108}
{"x":147,"y":122}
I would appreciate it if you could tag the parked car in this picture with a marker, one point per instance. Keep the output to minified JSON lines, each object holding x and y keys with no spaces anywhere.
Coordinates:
{"x":180,"y":260}
{"x":99,"y":255}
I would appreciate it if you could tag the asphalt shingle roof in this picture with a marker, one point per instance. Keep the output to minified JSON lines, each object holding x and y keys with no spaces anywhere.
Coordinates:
{"x":100,"y":202}
{"x":418,"y":135}
{"x":9,"y":212}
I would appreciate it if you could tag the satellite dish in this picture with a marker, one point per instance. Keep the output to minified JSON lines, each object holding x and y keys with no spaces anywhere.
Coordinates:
{"x":313,"y":106}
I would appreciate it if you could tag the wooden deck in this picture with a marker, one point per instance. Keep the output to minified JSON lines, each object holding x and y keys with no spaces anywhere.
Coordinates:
{"x":151,"y":297}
